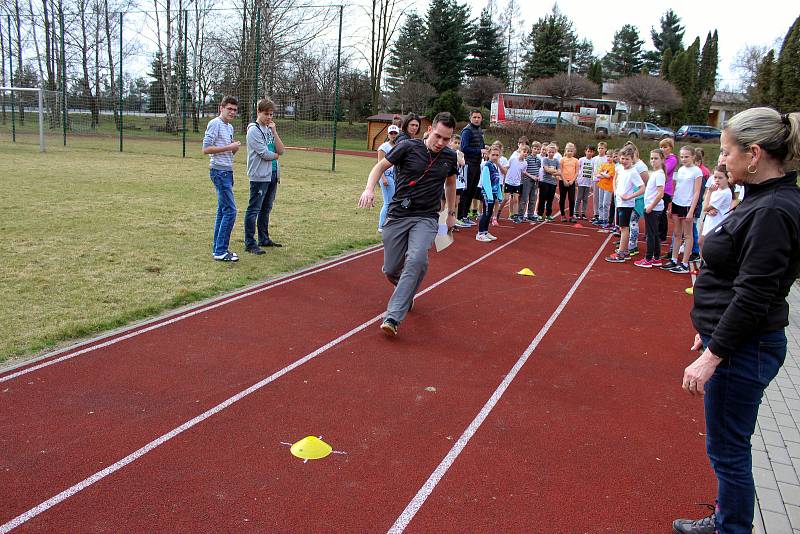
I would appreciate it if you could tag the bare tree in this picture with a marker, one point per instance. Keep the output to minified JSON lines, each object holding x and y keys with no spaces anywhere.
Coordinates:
{"x":649,"y":92}
{"x":564,"y":87}
{"x":385,"y":16}
{"x":481,"y":89}
{"x":414,"y":96}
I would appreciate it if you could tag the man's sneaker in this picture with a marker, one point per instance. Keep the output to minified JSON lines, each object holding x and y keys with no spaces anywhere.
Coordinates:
{"x":259,"y":251}
{"x":616,"y":258}
{"x":490,"y":236}
{"x":681,"y":268}
{"x":633,"y":252}
{"x":656,"y":262}
{"x":389,"y":327}
{"x":483,"y":237}
{"x":694,"y":256}
{"x":707,"y":525}
{"x":669,"y":264}
{"x":228,"y":256}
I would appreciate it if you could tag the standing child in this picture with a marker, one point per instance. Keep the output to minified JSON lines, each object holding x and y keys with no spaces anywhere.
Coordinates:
{"x":502,"y":164}
{"x":584,"y":182}
{"x":530,"y":184}
{"x":699,"y":160}
{"x":605,"y":186}
{"x":627,"y":186}
{"x":687,"y":191}
{"x":513,"y":185}
{"x":598,"y":160}
{"x":719,"y":203}
{"x":653,"y":206}
{"x":548,"y":183}
{"x":218,"y":143}
{"x":490,"y":189}
{"x":566,"y":186}
{"x":641,"y":168}
{"x":461,"y":179}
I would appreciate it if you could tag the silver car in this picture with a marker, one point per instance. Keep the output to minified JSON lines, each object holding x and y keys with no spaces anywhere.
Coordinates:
{"x":645,"y":130}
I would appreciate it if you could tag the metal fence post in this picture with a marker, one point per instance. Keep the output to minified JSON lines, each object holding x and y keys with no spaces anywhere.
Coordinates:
{"x":11,"y":84}
{"x":336,"y":101}
{"x":120,"y":83}
{"x":183,"y":84}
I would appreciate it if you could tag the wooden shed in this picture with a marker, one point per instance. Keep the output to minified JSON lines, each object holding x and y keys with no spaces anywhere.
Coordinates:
{"x":377,"y":126}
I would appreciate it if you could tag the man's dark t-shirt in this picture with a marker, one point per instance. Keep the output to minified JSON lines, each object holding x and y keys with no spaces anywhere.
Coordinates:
{"x":419,"y":176}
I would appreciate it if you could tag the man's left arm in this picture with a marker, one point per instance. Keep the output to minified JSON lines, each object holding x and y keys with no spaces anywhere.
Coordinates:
{"x":450,"y":199}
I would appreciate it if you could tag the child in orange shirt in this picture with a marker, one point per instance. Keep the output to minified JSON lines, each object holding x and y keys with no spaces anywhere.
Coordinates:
{"x":605,"y":187}
{"x":566,"y":183}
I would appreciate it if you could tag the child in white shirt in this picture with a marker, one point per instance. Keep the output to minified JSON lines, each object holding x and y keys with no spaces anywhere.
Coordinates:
{"x":628,"y":185}
{"x":719,"y":202}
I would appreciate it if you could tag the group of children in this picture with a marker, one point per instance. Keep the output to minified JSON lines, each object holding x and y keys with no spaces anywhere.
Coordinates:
{"x":625,"y":189}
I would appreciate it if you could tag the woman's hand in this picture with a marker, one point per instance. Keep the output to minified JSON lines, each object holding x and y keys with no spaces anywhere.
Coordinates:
{"x":712,"y":211}
{"x":699,"y":372}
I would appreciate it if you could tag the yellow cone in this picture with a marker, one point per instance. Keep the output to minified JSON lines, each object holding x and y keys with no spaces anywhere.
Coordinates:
{"x":689,"y":290}
{"x":526,"y":272}
{"x":311,"y":448}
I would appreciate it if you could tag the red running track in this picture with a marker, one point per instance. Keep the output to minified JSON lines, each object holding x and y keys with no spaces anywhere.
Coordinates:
{"x":594,"y":433}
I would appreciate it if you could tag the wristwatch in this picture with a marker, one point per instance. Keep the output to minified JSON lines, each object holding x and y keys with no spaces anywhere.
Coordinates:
{"x":451,"y":214}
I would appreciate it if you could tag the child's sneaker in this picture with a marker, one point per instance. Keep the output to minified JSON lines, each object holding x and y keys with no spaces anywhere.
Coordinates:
{"x":669,"y":264}
{"x":550,"y":218}
{"x":656,"y":262}
{"x":495,"y":223}
{"x":483,"y":237}
{"x":573,"y":219}
{"x":644,"y":264}
{"x":461,"y":223}
{"x":680,"y":268}
{"x":633,"y":252}
{"x":616,"y":258}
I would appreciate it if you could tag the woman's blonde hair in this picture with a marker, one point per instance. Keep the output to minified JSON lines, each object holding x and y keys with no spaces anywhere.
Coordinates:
{"x":667,"y":141}
{"x":778,"y":135}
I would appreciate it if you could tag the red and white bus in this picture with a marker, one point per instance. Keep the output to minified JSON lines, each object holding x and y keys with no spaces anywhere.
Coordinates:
{"x":601,"y":115}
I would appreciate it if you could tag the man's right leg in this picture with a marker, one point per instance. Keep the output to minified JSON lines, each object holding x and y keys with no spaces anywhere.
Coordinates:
{"x":413,"y":236}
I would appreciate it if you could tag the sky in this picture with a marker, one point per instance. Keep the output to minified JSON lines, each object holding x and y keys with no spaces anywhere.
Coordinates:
{"x":738,"y":24}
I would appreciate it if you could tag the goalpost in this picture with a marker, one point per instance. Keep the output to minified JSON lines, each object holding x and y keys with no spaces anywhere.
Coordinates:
{"x":40,"y":100}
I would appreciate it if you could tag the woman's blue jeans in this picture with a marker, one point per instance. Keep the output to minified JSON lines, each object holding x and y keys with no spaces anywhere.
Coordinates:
{"x":388,"y":193}
{"x":733,"y":395}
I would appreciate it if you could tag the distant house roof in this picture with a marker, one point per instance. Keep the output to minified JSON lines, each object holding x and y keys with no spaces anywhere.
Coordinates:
{"x":729,"y":97}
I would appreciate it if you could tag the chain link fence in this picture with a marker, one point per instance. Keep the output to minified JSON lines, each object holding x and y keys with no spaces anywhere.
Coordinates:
{"x":149,"y":81}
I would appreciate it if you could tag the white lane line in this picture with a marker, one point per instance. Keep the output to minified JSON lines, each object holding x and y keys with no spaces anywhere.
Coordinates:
{"x":569,"y":233}
{"x":85,"y":483}
{"x":196,"y":311}
{"x":419,"y":499}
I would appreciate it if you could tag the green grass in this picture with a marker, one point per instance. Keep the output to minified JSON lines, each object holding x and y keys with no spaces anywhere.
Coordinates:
{"x":96,"y":239}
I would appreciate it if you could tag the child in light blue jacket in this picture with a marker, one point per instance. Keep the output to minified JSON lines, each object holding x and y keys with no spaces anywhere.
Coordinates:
{"x":492,"y":193}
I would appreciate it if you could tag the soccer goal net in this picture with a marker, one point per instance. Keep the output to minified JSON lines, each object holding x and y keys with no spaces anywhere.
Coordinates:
{"x":23,"y":114}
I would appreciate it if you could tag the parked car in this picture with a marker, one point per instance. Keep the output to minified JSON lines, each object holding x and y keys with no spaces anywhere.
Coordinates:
{"x":645,"y":130}
{"x":550,"y":123}
{"x":696,"y":132}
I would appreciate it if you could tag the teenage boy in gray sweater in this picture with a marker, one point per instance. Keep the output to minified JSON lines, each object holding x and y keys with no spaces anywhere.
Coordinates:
{"x":264,"y":147}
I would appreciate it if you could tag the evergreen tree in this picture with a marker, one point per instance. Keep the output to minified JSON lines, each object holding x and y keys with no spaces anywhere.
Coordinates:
{"x":406,"y":62}
{"x":786,"y":87}
{"x":488,"y":52}
{"x":671,"y":34}
{"x":666,"y":59}
{"x":625,"y":58}
{"x":583,"y":57}
{"x":683,"y":72}
{"x":449,"y":101}
{"x":595,"y":74}
{"x":765,"y":78}
{"x":156,"y":102}
{"x":547,"y":47}
{"x":448,"y":39}
{"x":707,"y":73}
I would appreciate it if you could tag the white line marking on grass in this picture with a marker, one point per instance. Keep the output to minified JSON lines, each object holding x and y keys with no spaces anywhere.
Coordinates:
{"x":85,"y":483}
{"x":419,"y":499}
{"x":569,"y":233}
{"x":196,"y":311}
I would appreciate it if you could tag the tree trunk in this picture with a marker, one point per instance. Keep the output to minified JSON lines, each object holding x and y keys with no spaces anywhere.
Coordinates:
{"x":111,"y":68}
{"x":97,"y":92}
{"x":87,"y":88}
{"x":19,"y":57}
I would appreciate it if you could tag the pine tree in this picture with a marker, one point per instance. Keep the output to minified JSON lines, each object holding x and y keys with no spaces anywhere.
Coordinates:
{"x":583,"y":57}
{"x":666,"y":59}
{"x":547,"y":47}
{"x":786,"y":87}
{"x":765,"y":77}
{"x":671,"y":34}
{"x":683,"y":72}
{"x":448,"y":38}
{"x":707,"y":74}
{"x":407,"y":62}
{"x":488,"y":52}
{"x":625,"y":58}
{"x":595,"y":74}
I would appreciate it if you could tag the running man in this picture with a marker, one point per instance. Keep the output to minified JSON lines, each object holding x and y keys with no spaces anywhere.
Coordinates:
{"x":421,"y":169}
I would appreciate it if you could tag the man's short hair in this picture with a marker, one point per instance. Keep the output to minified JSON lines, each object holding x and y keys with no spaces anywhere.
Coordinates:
{"x":264,"y":105}
{"x":445,"y":119}
{"x":228,"y":99}
{"x":475,"y":110}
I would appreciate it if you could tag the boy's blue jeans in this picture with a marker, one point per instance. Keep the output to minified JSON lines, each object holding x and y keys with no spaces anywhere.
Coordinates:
{"x":262,"y":196}
{"x":733,"y":395}
{"x":388,"y":193}
{"x":226,"y":210}
{"x":696,"y":242}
